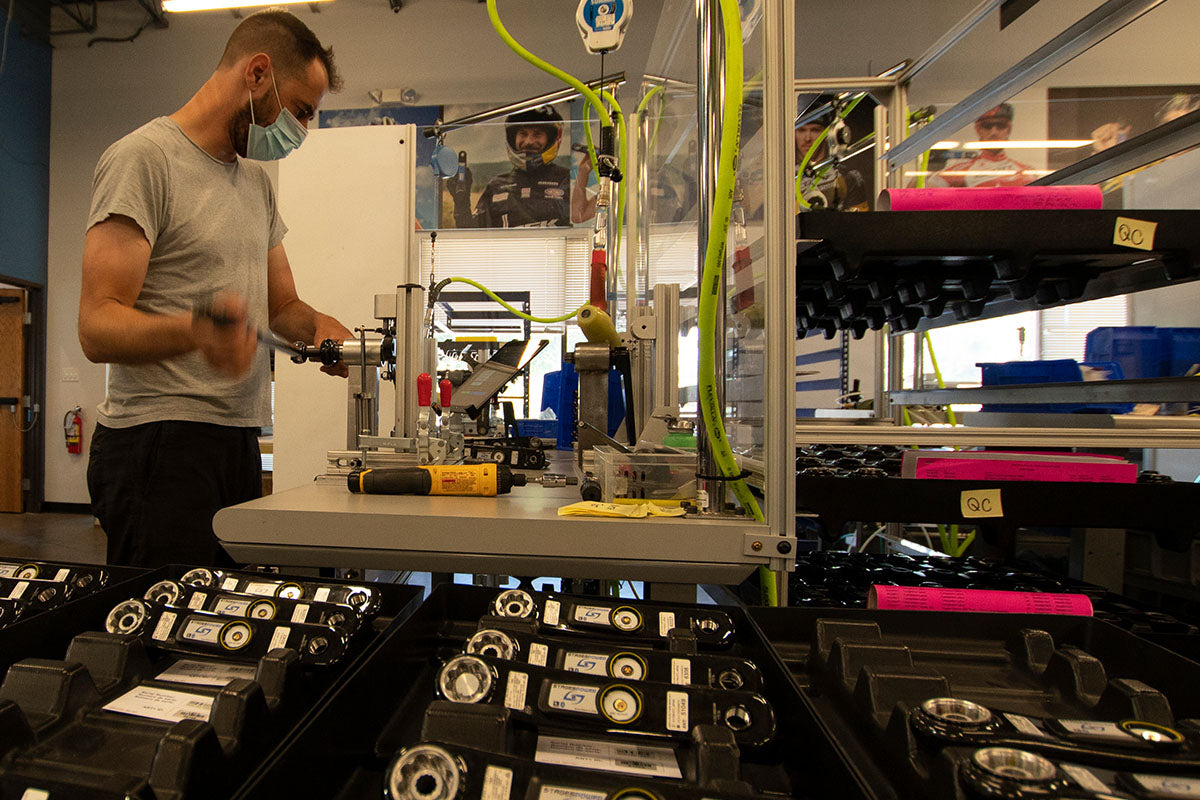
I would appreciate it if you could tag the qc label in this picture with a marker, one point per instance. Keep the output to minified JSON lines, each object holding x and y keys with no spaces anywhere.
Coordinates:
{"x":1134,"y":233}
{"x":981,"y":503}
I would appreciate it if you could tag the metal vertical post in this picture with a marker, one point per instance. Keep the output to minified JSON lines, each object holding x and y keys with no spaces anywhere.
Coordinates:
{"x":779,"y":162}
{"x":633,"y":221}
{"x":710,"y":96}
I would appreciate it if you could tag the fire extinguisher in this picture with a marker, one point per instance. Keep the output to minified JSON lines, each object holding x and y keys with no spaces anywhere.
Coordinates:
{"x":73,"y":428}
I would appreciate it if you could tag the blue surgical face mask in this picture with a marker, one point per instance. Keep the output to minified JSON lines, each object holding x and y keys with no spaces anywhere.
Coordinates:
{"x":276,"y":140}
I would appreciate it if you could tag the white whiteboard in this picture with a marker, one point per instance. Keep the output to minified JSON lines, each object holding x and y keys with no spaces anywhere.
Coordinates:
{"x":347,"y":196}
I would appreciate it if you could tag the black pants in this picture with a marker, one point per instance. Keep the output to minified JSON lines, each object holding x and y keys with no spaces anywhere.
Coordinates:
{"x":156,"y":487}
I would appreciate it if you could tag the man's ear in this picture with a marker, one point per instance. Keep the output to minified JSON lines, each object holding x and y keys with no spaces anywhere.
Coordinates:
{"x":257,"y":70}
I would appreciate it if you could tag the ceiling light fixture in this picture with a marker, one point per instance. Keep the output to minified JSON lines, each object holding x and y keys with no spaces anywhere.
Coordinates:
{"x":174,"y":6}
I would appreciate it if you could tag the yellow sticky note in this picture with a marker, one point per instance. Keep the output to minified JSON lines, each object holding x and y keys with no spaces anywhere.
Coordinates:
{"x":981,"y":503}
{"x":1135,"y":233}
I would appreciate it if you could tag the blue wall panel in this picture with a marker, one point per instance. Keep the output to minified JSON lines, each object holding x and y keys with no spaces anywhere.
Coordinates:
{"x":24,"y":157}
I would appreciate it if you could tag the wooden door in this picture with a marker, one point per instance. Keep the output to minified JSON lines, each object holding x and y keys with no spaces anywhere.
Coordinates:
{"x":12,"y":390}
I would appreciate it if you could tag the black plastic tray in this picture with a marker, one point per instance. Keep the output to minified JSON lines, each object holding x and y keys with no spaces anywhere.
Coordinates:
{"x":346,"y":744}
{"x":1164,"y":509}
{"x":43,"y":641}
{"x":47,"y":634}
{"x":986,"y":658}
{"x":914,"y":269}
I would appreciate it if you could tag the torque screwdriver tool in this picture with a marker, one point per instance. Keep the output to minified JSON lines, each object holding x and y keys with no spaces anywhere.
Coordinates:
{"x":203,"y":308}
{"x":475,"y":480}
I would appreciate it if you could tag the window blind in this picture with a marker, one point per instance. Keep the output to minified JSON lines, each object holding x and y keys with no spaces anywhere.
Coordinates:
{"x":1065,"y":329}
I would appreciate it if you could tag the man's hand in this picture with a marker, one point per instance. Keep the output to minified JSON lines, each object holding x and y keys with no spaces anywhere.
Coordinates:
{"x":226,"y":339}
{"x":330,"y":328}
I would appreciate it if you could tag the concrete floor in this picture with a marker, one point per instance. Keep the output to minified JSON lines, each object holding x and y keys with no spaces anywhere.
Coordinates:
{"x":52,"y":537}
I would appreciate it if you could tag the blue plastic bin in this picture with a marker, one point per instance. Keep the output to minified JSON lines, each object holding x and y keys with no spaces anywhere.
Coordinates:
{"x":542,"y":428}
{"x":1135,"y":348}
{"x":1179,"y":349}
{"x":1065,"y":370}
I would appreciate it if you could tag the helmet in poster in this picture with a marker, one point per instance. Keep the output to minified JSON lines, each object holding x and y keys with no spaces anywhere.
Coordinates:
{"x":543,"y":118}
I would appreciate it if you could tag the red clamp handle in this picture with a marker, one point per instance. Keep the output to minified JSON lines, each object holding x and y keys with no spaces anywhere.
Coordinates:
{"x":424,"y":389}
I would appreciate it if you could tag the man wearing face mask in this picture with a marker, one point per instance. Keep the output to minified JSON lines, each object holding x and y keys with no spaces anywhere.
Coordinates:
{"x":181,"y":213}
{"x":536,"y":192}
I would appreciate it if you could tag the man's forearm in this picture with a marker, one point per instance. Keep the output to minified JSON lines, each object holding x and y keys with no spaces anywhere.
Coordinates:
{"x":296,"y":322}
{"x":300,"y":322}
{"x":117,"y":334}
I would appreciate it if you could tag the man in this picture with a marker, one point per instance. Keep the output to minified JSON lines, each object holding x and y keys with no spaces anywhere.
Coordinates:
{"x":180,"y":216}
{"x":834,"y":187}
{"x":992,"y":166}
{"x":535,"y":193}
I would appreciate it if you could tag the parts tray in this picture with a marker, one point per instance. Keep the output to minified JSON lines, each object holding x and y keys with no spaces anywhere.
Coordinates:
{"x":909,"y":268}
{"x":61,"y":698}
{"x":47,"y":634}
{"x":345,"y":746}
{"x":1165,"y":509}
{"x":854,"y":667}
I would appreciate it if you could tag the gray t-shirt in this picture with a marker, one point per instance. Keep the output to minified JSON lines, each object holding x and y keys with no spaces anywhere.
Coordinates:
{"x":210,"y":225}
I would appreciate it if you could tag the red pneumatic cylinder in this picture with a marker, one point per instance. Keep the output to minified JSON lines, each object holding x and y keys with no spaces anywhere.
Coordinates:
{"x":444,"y":392}
{"x":597,"y":290}
{"x":424,"y":389}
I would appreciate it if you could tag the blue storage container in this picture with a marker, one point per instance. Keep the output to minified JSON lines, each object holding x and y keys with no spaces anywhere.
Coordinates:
{"x":541,"y":428}
{"x":1135,"y":348}
{"x":1065,"y":370}
{"x":1179,"y":349}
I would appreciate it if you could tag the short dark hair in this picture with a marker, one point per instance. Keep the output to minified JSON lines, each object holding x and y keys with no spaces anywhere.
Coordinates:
{"x":1004,"y":110}
{"x":290,"y":43}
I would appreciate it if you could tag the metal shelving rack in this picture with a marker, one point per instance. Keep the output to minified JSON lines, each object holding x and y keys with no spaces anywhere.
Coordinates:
{"x":920,"y":270}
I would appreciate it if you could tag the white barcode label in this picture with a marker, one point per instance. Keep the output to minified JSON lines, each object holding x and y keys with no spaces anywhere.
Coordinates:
{"x":677,"y":711}
{"x":666,"y":621}
{"x":550,"y":612}
{"x":164,"y":704}
{"x":229,"y":584}
{"x":206,"y":673}
{"x":262,"y":589}
{"x":300,"y":613}
{"x":163,"y":629}
{"x":1085,"y":778}
{"x":538,"y":654}
{"x":627,"y":758}
{"x":35,"y":794}
{"x":62,"y":574}
{"x":681,"y":671}
{"x":279,"y":637}
{"x":321,"y":595}
{"x":1024,"y":725}
{"x":514,"y":692}
{"x":497,"y":783}
{"x":196,"y":601}
{"x":18,"y":591}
